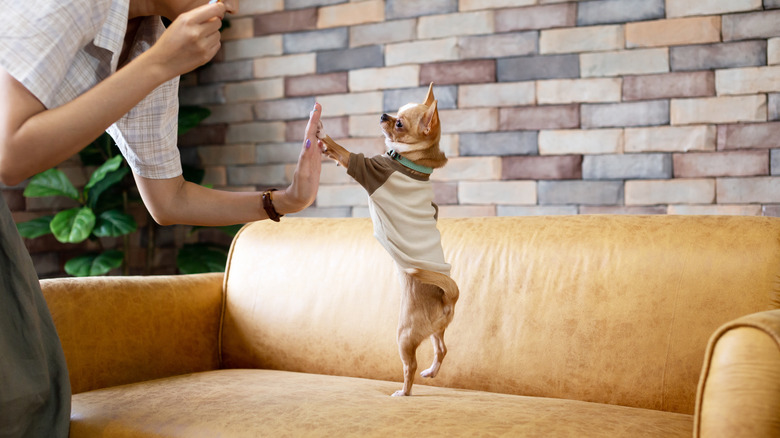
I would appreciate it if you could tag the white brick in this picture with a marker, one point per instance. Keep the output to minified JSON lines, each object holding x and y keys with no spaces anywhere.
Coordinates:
{"x":340,"y":195}
{"x":349,"y":14}
{"x":683,"y":8}
{"x":773,"y":51}
{"x":579,"y":90}
{"x":454,"y":211}
{"x":671,"y":139}
{"x":291,"y":65}
{"x":581,"y":39}
{"x":469,"y":169}
{"x":370,"y":79}
{"x":729,"y":109}
{"x":672,"y":191}
{"x":496,"y":95}
{"x":253,"y":48}
{"x":440,"y":26}
{"x":497,"y":192}
{"x":749,"y":190}
{"x":365,"y":125}
{"x":716,"y":210}
{"x":537,"y":210}
{"x":352,"y":103}
{"x":256,"y":7}
{"x":332,"y":173}
{"x":265,"y":89}
{"x":624,"y":62}
{"x":752,"y":80}
{"x":575,"y":141}
{"x":469,"y":120}
{"x":421,"y":52}
{"x":473,"y":5}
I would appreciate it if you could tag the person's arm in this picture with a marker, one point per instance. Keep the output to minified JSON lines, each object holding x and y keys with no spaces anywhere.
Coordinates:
{"x":176,"y":201}
{"x":33,"y":138}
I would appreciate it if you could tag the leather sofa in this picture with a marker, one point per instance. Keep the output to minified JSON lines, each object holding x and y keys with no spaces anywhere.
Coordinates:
{"x":586,"y":326}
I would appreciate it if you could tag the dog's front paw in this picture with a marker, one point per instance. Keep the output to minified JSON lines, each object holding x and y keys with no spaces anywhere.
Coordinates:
{"x":430,"y":372}
{"x":401,"y":393}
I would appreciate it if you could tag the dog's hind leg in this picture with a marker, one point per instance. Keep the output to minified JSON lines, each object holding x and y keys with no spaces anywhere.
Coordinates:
{"x":407,"y":347}
{"x":439,"y":351}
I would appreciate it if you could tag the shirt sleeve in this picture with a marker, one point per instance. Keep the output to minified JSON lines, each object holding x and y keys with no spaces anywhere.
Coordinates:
{"x":370,"y":173}
{"x":39,"y":41}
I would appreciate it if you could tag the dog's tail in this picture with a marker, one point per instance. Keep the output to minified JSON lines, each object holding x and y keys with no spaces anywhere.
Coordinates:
{"x":443,"y":282}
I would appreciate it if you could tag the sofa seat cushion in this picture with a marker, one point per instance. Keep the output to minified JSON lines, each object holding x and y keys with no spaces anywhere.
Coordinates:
{"x":252,"y":403}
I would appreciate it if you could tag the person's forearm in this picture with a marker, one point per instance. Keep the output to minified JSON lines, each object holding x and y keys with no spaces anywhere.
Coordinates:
{"x":51,"y":136}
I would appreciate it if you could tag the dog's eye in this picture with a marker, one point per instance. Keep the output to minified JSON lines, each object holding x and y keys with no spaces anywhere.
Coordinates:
{"x":398,"y":124}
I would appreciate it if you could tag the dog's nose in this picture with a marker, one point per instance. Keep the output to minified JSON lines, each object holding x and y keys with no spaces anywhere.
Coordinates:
{"x":384,"y":117}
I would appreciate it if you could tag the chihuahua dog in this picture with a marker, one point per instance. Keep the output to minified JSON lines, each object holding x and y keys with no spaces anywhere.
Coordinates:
{"x":404,"y":217}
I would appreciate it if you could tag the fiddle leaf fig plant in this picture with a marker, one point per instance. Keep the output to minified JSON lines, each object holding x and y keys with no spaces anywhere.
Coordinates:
{"x":92,"y":219}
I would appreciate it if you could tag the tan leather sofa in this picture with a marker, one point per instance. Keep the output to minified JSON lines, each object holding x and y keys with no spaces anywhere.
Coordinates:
{"x":584,"y":326}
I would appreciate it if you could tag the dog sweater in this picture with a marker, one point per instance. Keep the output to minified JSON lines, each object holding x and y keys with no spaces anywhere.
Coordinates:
{"x":400,"y":202}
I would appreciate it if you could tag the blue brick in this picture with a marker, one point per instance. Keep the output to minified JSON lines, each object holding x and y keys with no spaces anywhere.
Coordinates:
{"x":416,"y":8}
{"x":629,"y":166}
{"x":619,"y":11}
{"x":344,"y":60}
{"x":775,"y":161}
{"x":499,"y":143}
{"x":770,"y":4}
{"x":446,"y":97}
{"x":616,"y":115}
{"x":528,"y":68}
{"x":774,"y":106}
{"x":715,"y":56}
{"x":305,"y":42}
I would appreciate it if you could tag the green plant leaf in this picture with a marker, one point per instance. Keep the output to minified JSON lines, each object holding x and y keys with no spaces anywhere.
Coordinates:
{"x":73,"y":225}
{"x":51,"y":183}
{"x":190,"y":116}
{"x":94,"y":264}
{"x":197,"y":258}
{"x":37,"y":227}
{"x":111,"y":178}
{"x":100,"y":173}
{"x":114,"y":223}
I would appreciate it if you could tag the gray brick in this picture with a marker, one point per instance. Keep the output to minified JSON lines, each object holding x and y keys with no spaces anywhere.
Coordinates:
{"x":299,"y":4}
{"x":447,"y":97}
{"x":344,"y":60}
{"x":284,"y":109}
{"x":382,"y":33}
{"x":775,"y":160}
{"x":580,"y":192}
{"x":306,"y":42}
{"x":618,"y":11}
{"x":769,"y":4}
{"x":630,"y":166}
{"x":714,"y":56}
{"x":268,"y":175}
{"x":227,"y":71}
{"x":753,"y":25}
{"x":415,"y":8}
{"x":536,"y":210}
{"x":610,"y":115}
{"x":774,"y":106}
{"x":499,"y":143}
{"x":528,"y":68}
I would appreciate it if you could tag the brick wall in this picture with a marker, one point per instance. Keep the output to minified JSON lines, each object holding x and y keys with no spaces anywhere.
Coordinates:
{"x":547,"y":106}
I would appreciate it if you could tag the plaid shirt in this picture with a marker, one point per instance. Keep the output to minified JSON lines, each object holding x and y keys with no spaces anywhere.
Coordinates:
{"x":60,"y":49}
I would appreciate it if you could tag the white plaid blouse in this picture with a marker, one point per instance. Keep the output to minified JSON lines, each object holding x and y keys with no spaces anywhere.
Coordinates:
{"x":58,"y":49}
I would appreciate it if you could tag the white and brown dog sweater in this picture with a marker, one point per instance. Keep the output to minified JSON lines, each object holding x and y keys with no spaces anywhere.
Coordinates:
{"x":400,"y":202}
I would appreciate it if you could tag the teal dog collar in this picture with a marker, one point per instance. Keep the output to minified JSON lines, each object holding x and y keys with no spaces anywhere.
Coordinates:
{"x":409,"y":163}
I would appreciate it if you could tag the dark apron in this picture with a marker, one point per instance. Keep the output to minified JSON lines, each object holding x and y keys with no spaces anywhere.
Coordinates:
{"x":34,"y":384}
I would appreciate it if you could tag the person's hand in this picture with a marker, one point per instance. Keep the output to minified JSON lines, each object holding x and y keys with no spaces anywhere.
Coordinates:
{"x":306,"y":179}
{"x":190,"y":41}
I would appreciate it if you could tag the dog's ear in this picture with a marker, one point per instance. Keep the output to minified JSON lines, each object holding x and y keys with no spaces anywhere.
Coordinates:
{"x":429,"y":98}
{"x":430,"y":120}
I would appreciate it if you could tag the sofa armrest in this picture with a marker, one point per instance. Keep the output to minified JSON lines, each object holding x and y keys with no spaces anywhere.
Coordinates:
{"x":739,"y":388}
{"x":118,"y":330}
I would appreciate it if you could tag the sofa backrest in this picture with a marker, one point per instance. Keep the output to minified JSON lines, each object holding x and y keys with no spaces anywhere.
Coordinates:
{"x":612,"y":309}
